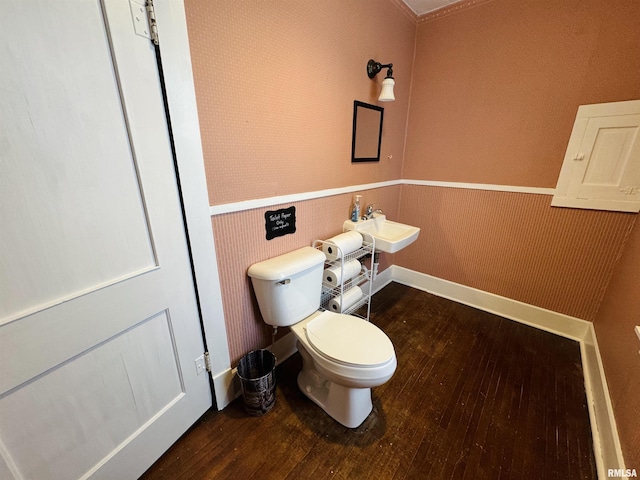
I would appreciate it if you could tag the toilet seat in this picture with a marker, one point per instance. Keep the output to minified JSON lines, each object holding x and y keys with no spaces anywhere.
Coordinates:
{"x":349,"y":340}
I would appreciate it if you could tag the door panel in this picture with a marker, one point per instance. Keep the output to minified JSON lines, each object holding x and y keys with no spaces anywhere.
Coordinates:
{"x":613,"y":143}
{"x":611,"y":149}
{"x":121,"y":384}
{"x":77,"y":224}
{"x":99,"y":326}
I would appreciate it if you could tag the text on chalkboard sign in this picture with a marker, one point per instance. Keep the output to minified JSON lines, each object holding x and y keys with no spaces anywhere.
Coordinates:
{"x":280,"y":222}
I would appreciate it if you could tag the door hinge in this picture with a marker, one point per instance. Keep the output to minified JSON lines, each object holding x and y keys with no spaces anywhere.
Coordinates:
{"x":207,"y":362}
{"x":144,"y":19}
{"x":153,"y":26}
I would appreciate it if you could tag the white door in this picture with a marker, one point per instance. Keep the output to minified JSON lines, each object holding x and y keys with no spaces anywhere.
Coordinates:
{"x":99,"y":326}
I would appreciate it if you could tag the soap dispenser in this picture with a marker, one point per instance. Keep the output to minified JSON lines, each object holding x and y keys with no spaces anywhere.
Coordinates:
{"x":355,"y":212}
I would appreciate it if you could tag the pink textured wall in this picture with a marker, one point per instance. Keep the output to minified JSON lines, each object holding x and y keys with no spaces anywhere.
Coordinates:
{"x":240,"y":242}
{"x":275,"y":83}
{"x":495,"y":90}
{"x":619,"y":346}
{"x":515,"y":245}
{"x":496,"y":87}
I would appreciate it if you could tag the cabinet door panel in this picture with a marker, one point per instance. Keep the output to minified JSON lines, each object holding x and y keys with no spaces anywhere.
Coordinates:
{"x":601,"y":169}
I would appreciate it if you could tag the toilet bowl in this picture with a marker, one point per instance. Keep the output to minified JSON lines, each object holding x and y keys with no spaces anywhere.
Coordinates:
{"x":346,"y":349}
{"x":343,"y":356}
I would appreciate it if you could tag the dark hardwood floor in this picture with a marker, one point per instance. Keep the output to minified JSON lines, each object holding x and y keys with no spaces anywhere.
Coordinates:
{"x":475,"y":396}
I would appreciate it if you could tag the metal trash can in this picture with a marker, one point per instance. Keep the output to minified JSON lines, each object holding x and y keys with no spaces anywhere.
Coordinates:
{"x":257,"y":372}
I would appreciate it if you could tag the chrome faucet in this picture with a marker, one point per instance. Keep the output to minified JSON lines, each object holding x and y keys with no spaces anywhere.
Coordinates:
{"x":368,"y":213}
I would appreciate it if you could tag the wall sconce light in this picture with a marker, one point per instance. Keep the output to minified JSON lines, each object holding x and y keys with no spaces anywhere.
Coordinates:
{"x":386,"y":94}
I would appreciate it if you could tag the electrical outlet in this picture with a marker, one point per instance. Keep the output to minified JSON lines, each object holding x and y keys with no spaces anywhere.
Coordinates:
{"x":200,"y":365}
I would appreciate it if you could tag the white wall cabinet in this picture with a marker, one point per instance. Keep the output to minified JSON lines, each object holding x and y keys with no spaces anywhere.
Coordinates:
{"x":601,"y":168}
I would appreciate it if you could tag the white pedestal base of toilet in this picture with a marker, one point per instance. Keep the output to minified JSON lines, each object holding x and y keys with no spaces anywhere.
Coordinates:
{"x":348,"y":406}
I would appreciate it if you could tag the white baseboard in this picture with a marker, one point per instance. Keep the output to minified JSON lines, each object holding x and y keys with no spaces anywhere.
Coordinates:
{"x":564,"y":325}
{"x":607,"y":448}
{"x":226,"y":386}
{"x":603,"y":424}
{"x":382,"y":280}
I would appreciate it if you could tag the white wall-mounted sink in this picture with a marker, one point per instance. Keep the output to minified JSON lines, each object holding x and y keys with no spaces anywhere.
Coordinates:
{"x":390,"y":237}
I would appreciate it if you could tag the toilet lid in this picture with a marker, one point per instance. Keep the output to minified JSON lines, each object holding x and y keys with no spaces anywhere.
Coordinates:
{"x":349,"y":340}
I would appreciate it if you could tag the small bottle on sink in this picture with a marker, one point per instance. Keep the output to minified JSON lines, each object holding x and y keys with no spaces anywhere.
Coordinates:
{"x":355,"y":212}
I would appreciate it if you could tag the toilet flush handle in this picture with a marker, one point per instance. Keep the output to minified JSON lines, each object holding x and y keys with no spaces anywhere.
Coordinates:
{"x":286,"y":281}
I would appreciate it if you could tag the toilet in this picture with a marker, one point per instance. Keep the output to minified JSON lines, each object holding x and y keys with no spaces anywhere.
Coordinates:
{"x":343,"y":356}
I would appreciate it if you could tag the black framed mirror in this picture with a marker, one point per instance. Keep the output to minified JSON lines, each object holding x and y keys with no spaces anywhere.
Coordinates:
{"x":367,"y":132}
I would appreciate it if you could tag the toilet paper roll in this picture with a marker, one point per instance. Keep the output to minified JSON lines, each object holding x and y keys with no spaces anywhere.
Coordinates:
{"x":346,"y":242}
{"x":365,"y":288}
{"x":335,"y":275}
{"x":348,"y":300}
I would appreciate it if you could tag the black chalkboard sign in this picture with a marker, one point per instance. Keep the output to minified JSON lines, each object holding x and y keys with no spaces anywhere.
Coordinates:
{"x":280,"y":222}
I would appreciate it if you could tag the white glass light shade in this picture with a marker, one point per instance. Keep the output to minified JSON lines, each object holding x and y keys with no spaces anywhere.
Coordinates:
{"x":386,"y":94}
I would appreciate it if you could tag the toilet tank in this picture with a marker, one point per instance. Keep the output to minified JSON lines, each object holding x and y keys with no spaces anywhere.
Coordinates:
{"x":288,"y":286}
